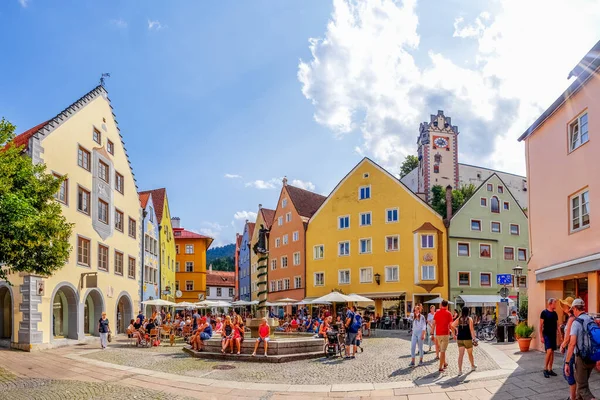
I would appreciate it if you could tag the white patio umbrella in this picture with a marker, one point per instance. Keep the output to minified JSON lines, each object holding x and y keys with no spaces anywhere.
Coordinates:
{"x":286,"y":301}
{"x":361,"y":299}
{"x":241,"y":303}
{"x":185,"y":304}
{"x":221,"y":303}
{"x":158,"y":302}
{"x":333,"y":297}
{"x":437,"y":301}
{"x":205,"y":303}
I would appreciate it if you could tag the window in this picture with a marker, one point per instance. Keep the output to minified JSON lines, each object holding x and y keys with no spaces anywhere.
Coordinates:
{"x":506,"y":205}
{"x":189,"y":266}
{"x":464,"y":249}
{"x":365,"y":246}
{"x":176,"y":249}
{"x":580,"y":211}
{"x":365,"y":192}
{"x":119,"y":220}
{"x":366,"y":275}
{"x":500,"y":189}
{"x":485,"y":279}
{"x":283,"y":203}
{"x":189,"y":249}
{"x":286,"y":284}
{"x":391,"y":215}
{"x":177,"y":266}
{"x":176,"y":285}
{"x":273,"y":286}
{"x":509,"y":253}
{"x":514,"y":229}
{"x":295,"y":236}
{"x":131,"y":268}
{"x":285,"y":239}
{"x":344,"y":248}
{"x":284,"y":262}
{"x":118,"y":263}
{"x":392,"y":243}
{"x":288,"y":217}
{"x":475,"y":225}
{"x":97,"y":136}
{"x":119,"y":186}
{"x":279,"y":285}
{"x":578,"y":132}
{"x":522,"y":255}
{"x":490,"y":187}
{"x":427,"y":241}
{"x":464,"y":279}
{"x":63,"y":191}
{"x":522,"y":281}
{"x":428,"y":273}
{"x":318,"y":252}
{"x":103,"y":169}
{"x":344,"y":222}
{"x":83,"y":158}
{"x":277,"y":242}
{"x":365,"y":219}
{"x":495,"y":204}
{"x":365,"y":175}
{"x":231,"y":292}
{"x":297,"y":282}
{"x":132,"y":228}
{"x":110,"y":147}
{"x":344,"y":276}
{"x":83,"y":251}
{"x":219,"y":292}
{"x":273,"y":264}
{"x":496,"y":228}
{"x":392,"y":273}
{"x":297,"y":258}
{"x":485,"y":251}
{"x":83,"y":200}
{"x":483,"y":202}
{"x":102,"y":211}
{"x":103,"y":258}
{"x":319,"y":278}
{"x":189,"y":286}
{"x":280,"y":221}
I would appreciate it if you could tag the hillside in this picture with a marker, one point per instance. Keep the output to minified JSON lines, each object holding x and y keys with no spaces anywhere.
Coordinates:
{"x":222,"y":258}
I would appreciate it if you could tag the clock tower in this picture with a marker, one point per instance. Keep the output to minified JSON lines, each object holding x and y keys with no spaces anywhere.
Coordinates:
{"x":437,"y":153}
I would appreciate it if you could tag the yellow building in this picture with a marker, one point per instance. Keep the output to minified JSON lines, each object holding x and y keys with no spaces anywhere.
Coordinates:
{"x":166,"y":242}
{"x":264,"y":217}
{"x":190,"y":267}
{"x":374,"y":237}
{"x":100,"y":197}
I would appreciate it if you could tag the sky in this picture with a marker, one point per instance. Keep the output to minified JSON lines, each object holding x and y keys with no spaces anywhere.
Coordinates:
{"x":218,"y":101}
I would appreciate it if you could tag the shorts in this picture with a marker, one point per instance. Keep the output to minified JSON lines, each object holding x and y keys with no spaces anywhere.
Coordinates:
{"x":571,"y":378}
{"x":204,"y":336}
{"x":260,"y":340}
{"x":549,"y":343}
{"x":350,"y":339}
{"x":467,"y":344}
{"x":443,"y":342}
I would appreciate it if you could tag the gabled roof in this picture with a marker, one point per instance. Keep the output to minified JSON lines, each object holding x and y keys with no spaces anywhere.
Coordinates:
{"x":220,"y":278}
{"x":238,"y":240}
{"x":251,"y":226}
{"x":583,"y":71}
{"x":180,"y":233}
{"x":158,"y":199}
{"x":268,"y":216}
{"x":144,"y":197}
{"x":23,"y":138}
{"x":306,"y":203}
{"x":426,"y":227}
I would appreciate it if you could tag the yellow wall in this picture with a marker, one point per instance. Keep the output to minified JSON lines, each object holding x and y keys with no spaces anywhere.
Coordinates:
{"x":199,"y":274}
{"x":386,"y":192}
{"x":167,"y":253}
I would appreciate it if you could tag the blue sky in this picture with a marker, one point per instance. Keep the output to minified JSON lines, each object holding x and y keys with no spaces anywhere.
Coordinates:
{"x":202,"y":90}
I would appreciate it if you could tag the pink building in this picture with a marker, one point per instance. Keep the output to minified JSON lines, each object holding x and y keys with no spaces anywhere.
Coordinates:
{"x":563,"y":170}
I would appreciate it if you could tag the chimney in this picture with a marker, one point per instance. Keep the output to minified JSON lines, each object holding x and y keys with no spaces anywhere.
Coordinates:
{"x":448,"y":205}
{"x":285,"y":181}
{"x":176,"y":222}
{"x":260,"y":206}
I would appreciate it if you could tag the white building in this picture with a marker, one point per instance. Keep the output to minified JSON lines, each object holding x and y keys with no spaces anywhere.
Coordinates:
{"x":220,"y":285}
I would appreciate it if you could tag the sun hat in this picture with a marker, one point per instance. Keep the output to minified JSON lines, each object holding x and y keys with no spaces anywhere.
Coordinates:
{"x":577,"y":302}
{"x":566,"y":302}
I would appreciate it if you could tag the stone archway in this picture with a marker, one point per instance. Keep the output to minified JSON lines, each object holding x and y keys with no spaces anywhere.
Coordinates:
{"x":64,"y":311}
{"x":6,"y":315}
{"x":123,"y":312}
{"x":93,"y":305}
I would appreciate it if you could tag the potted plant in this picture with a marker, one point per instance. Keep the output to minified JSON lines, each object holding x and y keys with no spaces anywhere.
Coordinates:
{"x":524,"y":334}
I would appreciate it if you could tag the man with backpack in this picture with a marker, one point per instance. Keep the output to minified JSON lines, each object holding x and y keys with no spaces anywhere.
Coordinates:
{"x":353,"y":324}
{"x":585,"y":344}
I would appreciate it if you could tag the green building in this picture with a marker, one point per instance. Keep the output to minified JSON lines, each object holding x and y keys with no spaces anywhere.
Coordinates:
{"x":488,"y":236}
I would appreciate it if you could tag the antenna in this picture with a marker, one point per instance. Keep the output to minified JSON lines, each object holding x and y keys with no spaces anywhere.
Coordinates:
{"x":104,"y":75}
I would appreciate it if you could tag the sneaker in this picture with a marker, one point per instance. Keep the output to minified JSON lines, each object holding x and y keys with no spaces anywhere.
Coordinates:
{"x":412,"y":364}
{"x":459,"y":373}
{"x":546,"y":374}
{"x":552,"y":373}
{"x":473,"y":367}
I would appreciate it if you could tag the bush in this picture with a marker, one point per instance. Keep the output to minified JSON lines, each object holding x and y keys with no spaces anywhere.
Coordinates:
{"x":524,"y":331}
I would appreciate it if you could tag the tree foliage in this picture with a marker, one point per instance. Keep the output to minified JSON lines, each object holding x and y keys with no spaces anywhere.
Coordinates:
{"x":218,"y":252}
{"x":223,"y":264}
{"x":459,"y":197}
{"x":410,"y":162}
{"x":34,"y":235}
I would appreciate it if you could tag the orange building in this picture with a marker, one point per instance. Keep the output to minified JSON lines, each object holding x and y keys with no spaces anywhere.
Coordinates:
{"x":190,"y":268}
{"x":287,"y":261}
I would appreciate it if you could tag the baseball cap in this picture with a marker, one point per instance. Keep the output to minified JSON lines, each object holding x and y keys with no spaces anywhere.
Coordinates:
{"x":577,"y":302}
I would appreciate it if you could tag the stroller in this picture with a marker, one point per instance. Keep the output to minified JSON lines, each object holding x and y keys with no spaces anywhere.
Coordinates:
{"x":335,"y":344}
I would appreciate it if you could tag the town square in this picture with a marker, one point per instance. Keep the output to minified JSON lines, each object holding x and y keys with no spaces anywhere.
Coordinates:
{"x":302,"y":199}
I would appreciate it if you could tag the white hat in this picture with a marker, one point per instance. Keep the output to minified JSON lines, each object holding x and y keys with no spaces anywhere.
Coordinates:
{"x":577,"y":302}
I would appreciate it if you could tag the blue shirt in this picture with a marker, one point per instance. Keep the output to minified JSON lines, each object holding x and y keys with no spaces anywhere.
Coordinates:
{"x":578,"y":330}
{"x":103,"y":325}
{"x":350,"y":314}
{"x":208,"y":330}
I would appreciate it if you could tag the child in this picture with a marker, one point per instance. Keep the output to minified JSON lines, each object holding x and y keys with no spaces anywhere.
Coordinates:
{"x":359,"y":340}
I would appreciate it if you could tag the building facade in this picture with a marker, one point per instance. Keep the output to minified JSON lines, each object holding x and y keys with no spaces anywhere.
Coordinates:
{"x":264,"y":217}
{"x":564,"y":189}
{"x":100,"y":198}
{"x":150,"y":273}
{"x":287,"y":261}
{"x":220,"y":285}
{"x":375,"y":237}
{"x":190,"y":266}
{"x":244,"y":262}
{"x":488,"y":236}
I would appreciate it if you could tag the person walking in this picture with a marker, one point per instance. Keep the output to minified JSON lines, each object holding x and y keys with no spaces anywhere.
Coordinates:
{"x":465,"y":335}
{"x":565,"y":305}
{"x":549,"y":329}
{"x":352,"y":324}
{"x":103,"y":329}
{"x":441,"y":323}
{"x":431,"y":332}
{"x":578,"y":341}
{"x":419,"y":330}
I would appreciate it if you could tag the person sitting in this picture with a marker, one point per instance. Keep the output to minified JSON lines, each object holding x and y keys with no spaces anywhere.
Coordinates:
{"x":204,"y":332}
{"x":133,"y":332}
{"x":238,"y":333}
{"x":264,"y":332}
{"x":227,"y":335}
{"x":218,"y":326}
{"x":294,"y":325}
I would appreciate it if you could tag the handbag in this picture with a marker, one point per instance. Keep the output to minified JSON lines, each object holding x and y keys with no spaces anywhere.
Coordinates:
{"x":475,"y":342}
{"x":109,"y":337}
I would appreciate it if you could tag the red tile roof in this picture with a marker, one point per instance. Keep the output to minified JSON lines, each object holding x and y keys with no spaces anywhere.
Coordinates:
{"x":427,"y":226}
{"x":239,"y":239}
{"x":268,"y":216}
{"x":306,"y":203}
{"x":220,"y":278}
{"x":251,"y":226}
{"x":23,"y":138}
{"x":180,"y":233}
{"x":144,"y":196}
{"x":158,"y":199}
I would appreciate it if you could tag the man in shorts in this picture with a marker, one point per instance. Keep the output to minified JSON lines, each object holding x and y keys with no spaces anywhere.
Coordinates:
{"x":350,"y":332}
{"x":549,"y":329}
{"x":441,"y":324}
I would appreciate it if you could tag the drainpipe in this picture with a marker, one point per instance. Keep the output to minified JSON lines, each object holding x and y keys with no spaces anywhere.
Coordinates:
{"x":448,"y":205}
{"x":144,"y":214}
{"x":160,"y":271}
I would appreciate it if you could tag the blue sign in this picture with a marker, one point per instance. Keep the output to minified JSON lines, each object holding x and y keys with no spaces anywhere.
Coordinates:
{"x":503,"y":300}
{"x":504,"y":279}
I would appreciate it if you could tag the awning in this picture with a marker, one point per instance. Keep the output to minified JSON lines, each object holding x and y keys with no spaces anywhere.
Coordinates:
{"x":384,"y":295}
{"x":581,"y":265}
{"x":481,"y":300}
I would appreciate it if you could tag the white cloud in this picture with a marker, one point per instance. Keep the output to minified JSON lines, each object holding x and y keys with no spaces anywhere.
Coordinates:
{"x":303,"y":184}
{"x":155,"y":25}
{"x":245,"y":215}
{"x":233,"y":176}
{"x":119,"y":23}
{"x":260,"y":184}
{"x":362,"y":75}
{"x":24,"y":3}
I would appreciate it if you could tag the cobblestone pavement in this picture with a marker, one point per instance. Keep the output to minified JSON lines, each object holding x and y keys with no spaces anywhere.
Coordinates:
{"x":385,"y":358}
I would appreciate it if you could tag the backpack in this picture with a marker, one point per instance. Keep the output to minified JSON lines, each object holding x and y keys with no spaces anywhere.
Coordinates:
{"x":356,"y":323}
{"x":590,"y":351}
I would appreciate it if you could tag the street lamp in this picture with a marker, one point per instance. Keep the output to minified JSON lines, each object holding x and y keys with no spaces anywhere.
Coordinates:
{"x":378,"y":278}
{"x":518,"y":271}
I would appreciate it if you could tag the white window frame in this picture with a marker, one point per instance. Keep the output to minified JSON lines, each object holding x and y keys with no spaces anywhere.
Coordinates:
{"x":294,"y":258}
{"x":370,"y":217}
{"x":492,"y":229}
{"x":386,"y":243}
{"x":364,"y":187}
{"x":295,"y":236}
{"x":285,"y":239}
{"x":421,"y":240}
{"x":387,"y":220}
{"x":279,"y":285}
{"x":286,"y":284}
{"x":288,"y":217}
{"x":283,"y":203}
{"x":296,"y":284}
{"x":423,"y":275}
{"x":504,"y":204}
{"x":488,"y":187}
{"x":389,"y":267}
{"x":518,"y":229}
{"x":320,"y":247}
{"x":340,"y":217}
{"x":491,"y":279}
{"x":504,"y":253}
{"x":468,"y":249}
{"x":280,"y":220}
{"x":518,"y":250}
{"x":580,"y":142}
{"x":339,"y":248}
{"x":186,"y":286}
{"x":361,"y":277}
{"x":579,"y":195}
{"x":186,"y":266}
{"x":315,"y":281}
{"x":480,"y":225}
{"x":360,"y":246}
{"x":491,"y":251}
{"x":187,"y":247}
{"x":284,"y":264}
{"x":277,"y":243}
{"x":273,"y":286}
{"x":458,"y":278}
{"x":349,"y":277}
{"x":486,"y":202}
{"x":273,"y":264}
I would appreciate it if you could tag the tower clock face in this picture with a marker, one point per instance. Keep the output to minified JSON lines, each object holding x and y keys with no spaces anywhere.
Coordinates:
{"x":439,"y":141}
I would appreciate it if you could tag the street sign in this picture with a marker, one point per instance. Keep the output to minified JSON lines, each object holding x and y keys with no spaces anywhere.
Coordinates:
{"x":504,"y":292}
{"x":504,"y":279}
{"x":503,"y":300}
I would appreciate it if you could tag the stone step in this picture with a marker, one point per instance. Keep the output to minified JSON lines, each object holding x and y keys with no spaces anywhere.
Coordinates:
{"x":249,"y":358}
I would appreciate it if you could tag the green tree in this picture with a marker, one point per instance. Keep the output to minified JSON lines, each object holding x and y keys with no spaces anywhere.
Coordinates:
{"x":34,"y":235}
{"x":410,"y":162}
{"x":459,"y":197}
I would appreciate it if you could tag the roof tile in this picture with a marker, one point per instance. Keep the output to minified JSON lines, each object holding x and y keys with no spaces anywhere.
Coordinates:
{"x":220,"y":278}
{"x":158,"y":199}
{"x":306,"y":203}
